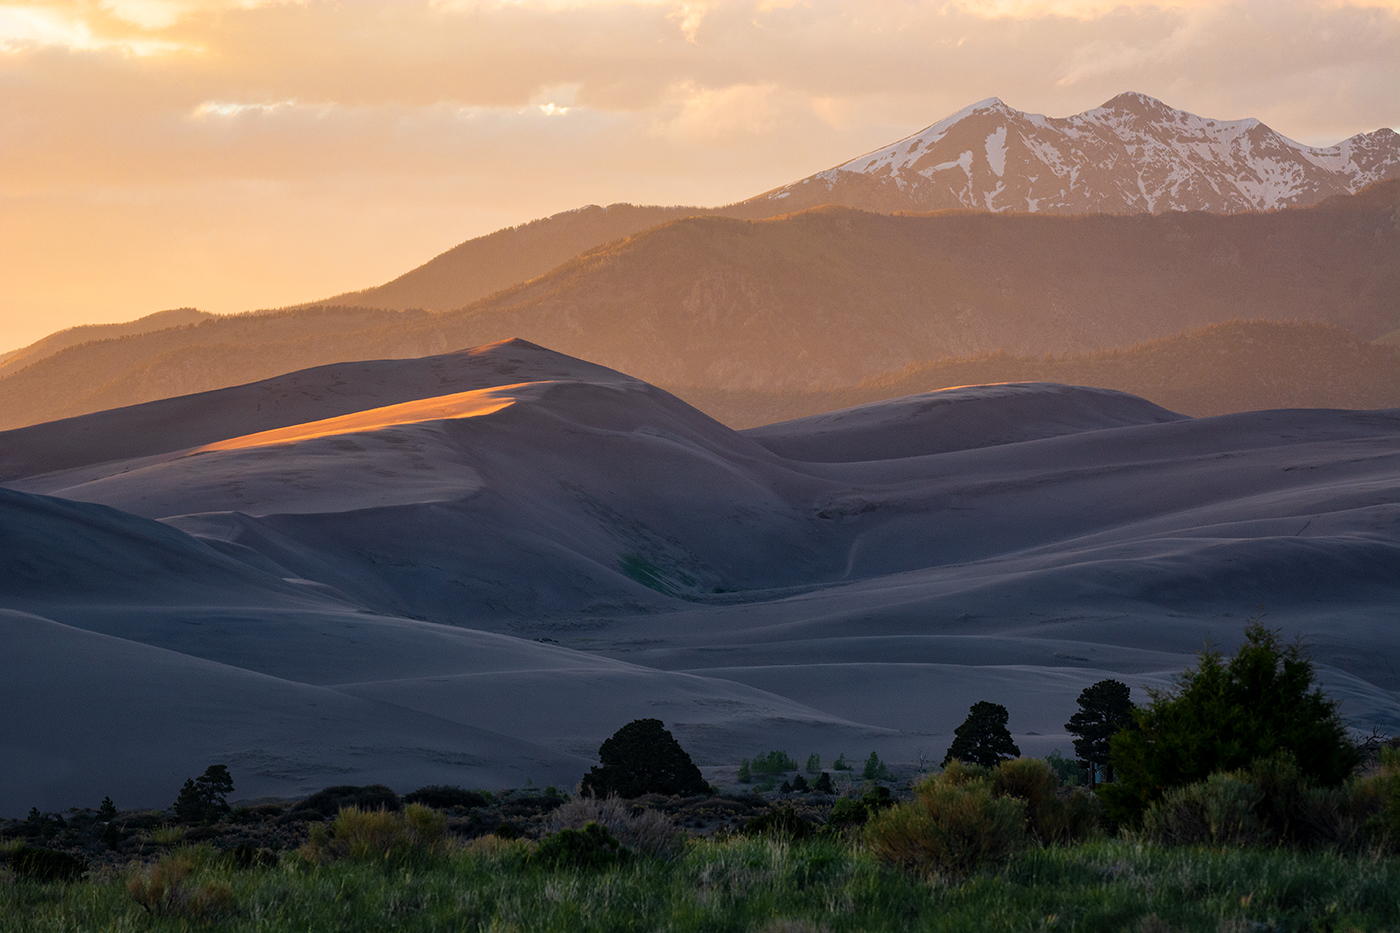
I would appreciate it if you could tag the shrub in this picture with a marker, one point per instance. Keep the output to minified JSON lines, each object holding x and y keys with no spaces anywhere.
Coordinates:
{"x":875,"y":769}
{"x":948,"y":828}
{"x":1052,"y":816}
{"x":590,"y":847}
{"x":799,"y":785}
{"x":325,"y":804}
{"x":643,"y":758}
{"x":1269,"y":803}
{"x":39,"y":864}
{"x":774,"y":763}
{"x":745,"y":771}
{"x":823,"y":785}
{"x":814,"y":763}
{"x":108,"y":811}
{"x":848,"y":812}
{"x":642,"y":830}
{"x":841,"y":764}
{"x":204,"y":799}
{"x":1223,"y":716}
{"x":164,"y":889}
{"x":443,"y":797}
{"x":780,"y":821}
{"x":413,"y":834}
{"x":1070,"y":772}
{"x":983,"y":738}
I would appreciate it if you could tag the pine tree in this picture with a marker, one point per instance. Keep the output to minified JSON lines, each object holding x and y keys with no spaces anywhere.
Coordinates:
{"x":983,"y":738}
{"x":108,"y":811}
{"x":1104,"y":708}
{"x":204,"y":799}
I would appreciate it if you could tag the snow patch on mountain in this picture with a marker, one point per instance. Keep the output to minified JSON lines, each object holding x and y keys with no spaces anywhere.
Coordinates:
{"x":1132,"y":154}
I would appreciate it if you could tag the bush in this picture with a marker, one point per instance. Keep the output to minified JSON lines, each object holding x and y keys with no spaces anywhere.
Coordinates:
{"x":1070,"y":772}
{"x":1272,"y":803}
{"x":970,"y":815}
{"x":588,"y":848}
{"x":983,"y":738}
{"x":875,"y":769}
{"x":1224,"y":716}
{"x":823,"y":785}
{"x":325,"y":804}
{"x":841,"y":764}
{"x":37,"y":864}
{"x":1052,"y":815}
{"x":444,"y":797}
{"x":848,"y":812}
{"x":164,"y":889}
{"x":774,"y":763}
{"x":644,"y":758}
{"x":948,"y":829}
{"x":745,"y":771}
{"x":641,"y":830}
{"x":779,"y":821}
{"x":814,"y":763}
{"x":415,"y":833}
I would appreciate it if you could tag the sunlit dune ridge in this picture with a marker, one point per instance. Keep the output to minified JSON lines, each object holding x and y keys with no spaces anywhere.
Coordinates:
{"x":471,"y":404}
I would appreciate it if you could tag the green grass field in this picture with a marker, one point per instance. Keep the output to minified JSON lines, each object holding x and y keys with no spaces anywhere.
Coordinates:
{"x":739,"y":885}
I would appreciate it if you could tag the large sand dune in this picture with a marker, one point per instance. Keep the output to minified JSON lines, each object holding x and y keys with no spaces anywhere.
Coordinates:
{"x":496,"y":559}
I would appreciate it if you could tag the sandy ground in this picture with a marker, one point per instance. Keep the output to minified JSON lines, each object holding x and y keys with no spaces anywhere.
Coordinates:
{"x":473,"y":568}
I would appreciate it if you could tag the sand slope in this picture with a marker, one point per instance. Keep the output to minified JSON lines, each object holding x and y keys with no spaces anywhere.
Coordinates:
{"x":543,"y":554}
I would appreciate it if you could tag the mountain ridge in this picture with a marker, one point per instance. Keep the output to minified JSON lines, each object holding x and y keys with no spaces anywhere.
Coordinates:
{"x":819,"y":298}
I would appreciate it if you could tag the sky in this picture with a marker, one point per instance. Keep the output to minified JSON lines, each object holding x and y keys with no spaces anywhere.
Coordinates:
{"x":240,"y":154}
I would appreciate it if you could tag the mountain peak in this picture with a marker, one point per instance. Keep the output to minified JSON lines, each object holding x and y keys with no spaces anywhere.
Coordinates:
{"x":1133,"y":154}
{"x":1135,"y":101}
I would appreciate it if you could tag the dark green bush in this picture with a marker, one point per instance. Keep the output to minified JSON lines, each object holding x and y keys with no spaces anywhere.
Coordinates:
{"x":1224,"y":716}
{"x":37,"y":864}
{"x":875,"y":769}
{"x":823,"y":785}
{"x":589,"y":848}
{"x":445,"y":797}
{"x":1070,"y":772}
{"x":644,"y":758}
{"x":780,"y":821}
{"x":1273,"y":803}
{"x":325,"y":804}
{"x":774,"y":763}
{"x":849,"y":812}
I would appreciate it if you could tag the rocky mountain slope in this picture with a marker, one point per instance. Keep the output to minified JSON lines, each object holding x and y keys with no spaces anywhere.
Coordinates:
{"x":1133,"y":154}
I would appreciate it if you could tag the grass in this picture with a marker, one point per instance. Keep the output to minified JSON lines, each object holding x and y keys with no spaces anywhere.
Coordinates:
{"x":742,"y":885}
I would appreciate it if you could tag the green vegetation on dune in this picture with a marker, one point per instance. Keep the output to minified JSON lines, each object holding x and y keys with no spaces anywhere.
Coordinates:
{"x":739,"y":885}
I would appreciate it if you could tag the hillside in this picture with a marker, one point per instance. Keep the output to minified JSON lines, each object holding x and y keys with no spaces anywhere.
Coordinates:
{"x":1130,"y":155}
{"x":1213,"y":370}
{"x":821,"y":298}
{"x":16,"y":360}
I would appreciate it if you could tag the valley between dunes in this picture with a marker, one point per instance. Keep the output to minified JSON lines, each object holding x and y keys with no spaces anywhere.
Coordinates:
{"x":471,"y":568}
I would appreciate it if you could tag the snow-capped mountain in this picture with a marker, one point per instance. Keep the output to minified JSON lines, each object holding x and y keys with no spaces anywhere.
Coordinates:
{"x":1131,"y":155}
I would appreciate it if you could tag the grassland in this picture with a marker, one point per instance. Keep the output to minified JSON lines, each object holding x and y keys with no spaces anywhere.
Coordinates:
{"x":733,"y":884}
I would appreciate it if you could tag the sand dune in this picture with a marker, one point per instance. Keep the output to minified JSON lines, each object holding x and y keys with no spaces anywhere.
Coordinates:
{"x":556,"y":549}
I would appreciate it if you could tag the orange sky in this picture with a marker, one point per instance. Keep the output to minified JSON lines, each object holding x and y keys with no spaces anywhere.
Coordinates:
{"x":237,"y":154}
